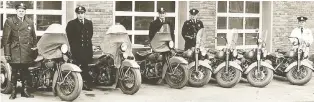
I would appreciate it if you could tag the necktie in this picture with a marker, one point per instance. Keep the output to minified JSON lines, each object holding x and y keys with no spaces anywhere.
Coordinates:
{"x":301,"y":30}
{"x":21,"y":18}
{"x":81,"y":21}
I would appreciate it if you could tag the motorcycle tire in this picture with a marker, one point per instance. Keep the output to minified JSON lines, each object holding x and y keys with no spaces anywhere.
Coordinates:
{"x":194,"y":82}
{"x":230,"y":84}
{"x":78,"y":81}
{"x":303,"y":81}
{"x":182,"y":82}
{"x":263,"y":83}
{"x":136,"y":84}
{"x":6,"y":86}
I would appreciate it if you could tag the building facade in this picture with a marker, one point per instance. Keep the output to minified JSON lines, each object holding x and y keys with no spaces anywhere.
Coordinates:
{"x":274,"y":20}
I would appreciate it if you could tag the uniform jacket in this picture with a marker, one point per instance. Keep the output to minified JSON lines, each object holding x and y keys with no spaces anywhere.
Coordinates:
{"x":191,"y":28}
{"x":18,"y":39}
{"x":155,"y":26}
{"x":80,"y":36}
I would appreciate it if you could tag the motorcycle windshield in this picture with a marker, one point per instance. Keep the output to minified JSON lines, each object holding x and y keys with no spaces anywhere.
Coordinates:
{"x":112,"y":41}
{"x":199,"y":39}
{"x":51,"y":41}
{"x":159,"y":42}
{"x":232,"y":39}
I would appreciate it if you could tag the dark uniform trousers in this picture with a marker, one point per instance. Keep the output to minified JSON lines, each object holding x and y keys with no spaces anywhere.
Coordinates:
{"x":80,"y":36}
{"x":24,"y":73}
{"x":190,"y":29}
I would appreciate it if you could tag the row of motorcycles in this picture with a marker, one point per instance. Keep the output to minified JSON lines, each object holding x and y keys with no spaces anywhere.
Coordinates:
{"x":115,"y":65}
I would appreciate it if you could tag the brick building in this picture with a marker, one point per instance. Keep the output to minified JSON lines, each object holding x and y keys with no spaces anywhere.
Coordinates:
{"x":274,"y":18}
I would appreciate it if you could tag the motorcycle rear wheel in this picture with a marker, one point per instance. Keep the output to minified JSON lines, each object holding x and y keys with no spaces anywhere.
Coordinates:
{"x":199,"y":82}
{"x":135,"y":75}
{"x":6,"y":86}
{"x":177,"y":84}
{"x":75,"y":92}
{"x":224,"y":82}
{"x":251,"y":77}
{"x":292,"y":78}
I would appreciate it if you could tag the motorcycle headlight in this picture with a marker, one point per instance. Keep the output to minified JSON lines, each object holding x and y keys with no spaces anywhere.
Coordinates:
{"x":265,"y":53}
{"x":203,"y":53}
{"x":171,"y":44}
{"x":234,"y":53}
{"x":64,"y":48}
{"x":124,"y":47}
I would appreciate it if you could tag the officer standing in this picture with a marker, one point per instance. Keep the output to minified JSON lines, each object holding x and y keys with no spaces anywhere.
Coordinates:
{"x":80,"y":33}
{"x":190,"y":29}
{"x":156,"y":24}
{"x":303,"y":33}
{"x":19,"y":39}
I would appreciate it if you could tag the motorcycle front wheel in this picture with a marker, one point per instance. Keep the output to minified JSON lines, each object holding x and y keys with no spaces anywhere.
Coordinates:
{"x":131,"y":81}
{"x":5,"y":78}
{"x":178,"y":76}
{"x":71,"y":88}
{"x":300,"y":77}
{"x":260,"y":78}
{"x":200,"y":78}
{"x":229,"y":78}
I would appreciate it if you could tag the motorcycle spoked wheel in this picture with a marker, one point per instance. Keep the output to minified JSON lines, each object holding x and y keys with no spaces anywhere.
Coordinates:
{"x":299,"y":78}
{"x":261,"y":79}
{"x":131,"y":80}
{"x":200,"y":78}
{"x":228,"y":80}
{"x":179,"y":78}
{"x":71,"y":88}
{"x":5,"y":78}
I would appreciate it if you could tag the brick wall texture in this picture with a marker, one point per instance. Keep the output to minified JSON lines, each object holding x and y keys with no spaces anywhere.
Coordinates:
{"x":284,"y":20}
{"x":101,"y":14}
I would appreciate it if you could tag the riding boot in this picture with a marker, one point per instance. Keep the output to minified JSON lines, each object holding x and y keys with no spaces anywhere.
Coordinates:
{"x":25,"y":84}
{"x":13,"y":83}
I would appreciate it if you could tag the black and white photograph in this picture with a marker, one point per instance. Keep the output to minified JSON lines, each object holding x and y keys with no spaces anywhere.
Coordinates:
{"x":156,"y":51}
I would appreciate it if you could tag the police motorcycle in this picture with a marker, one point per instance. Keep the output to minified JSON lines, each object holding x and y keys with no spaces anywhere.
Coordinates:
{"x":257,"y":68}
{"x":53,"y":67}
{"x":225,"y":63}
{"x":162,"y":63}
{"x":293,"y":64}
{"x":115,"y":64}
{"x":199,"y":69}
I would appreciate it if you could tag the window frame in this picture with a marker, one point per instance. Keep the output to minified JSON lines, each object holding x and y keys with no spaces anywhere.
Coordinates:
{"x":244,"y":30}
{"x":154,"y":14}
{"x":35,"y":12}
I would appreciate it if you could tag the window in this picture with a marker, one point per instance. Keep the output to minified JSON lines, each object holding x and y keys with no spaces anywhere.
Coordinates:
{"x":242,"y":16}
{"x":43,"y":13}
{"x":136,"y":16}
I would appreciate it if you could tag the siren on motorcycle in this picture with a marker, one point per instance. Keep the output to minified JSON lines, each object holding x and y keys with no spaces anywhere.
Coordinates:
{"x":123,"y":47}
{"x":171,"y":44}
{"x":64,"y":48}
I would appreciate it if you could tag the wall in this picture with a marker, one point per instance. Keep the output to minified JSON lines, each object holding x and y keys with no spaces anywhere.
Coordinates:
{"x":285,"y":15}
{"x":207,"y":14}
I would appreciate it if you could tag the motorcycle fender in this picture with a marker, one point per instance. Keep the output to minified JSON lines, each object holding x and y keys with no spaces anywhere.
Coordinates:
{"x":303,"y":62}
{"x":178,"y":60}
{"x":201,"y":63}
{"x":130,"y":63}
{"x":9,"y":69}
{"x":231,"y":63}
{"x":265,"y":64}
{"x":70,"y":67}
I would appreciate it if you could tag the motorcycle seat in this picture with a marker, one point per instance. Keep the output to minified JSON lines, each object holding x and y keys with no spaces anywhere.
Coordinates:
{"x":144,"y":53}
{"x":39,"y":58}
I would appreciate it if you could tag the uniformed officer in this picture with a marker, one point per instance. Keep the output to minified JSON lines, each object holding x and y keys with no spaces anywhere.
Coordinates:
{"x":303,"y":33}
{"x":190,"y":29}
{"x":19,"y":39}
{"x":80,"y":33}
{"x":156,"y":24}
